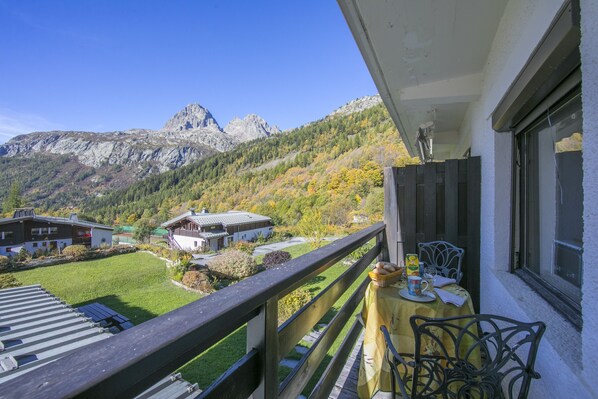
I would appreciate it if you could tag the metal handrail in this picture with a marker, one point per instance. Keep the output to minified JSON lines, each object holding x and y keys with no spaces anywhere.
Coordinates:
{"x":133,"y":360}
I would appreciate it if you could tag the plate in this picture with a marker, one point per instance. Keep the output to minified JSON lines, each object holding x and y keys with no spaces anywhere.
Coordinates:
{"x":427,"y":297}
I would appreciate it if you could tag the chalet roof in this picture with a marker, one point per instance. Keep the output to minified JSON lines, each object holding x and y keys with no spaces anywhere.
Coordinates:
{"x":230,"y":218}
{"x":53,"y":219}
{"x":37,"y":328}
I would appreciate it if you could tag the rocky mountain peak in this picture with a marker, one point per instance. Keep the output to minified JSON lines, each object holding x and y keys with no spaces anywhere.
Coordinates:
{"x":249,"y":128}
{"x":193,"y":116}
{"x":357,"y":105}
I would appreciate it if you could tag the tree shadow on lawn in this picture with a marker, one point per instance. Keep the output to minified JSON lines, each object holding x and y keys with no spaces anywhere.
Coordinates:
{"x":208,"y":366}
{"x":135,"y":314}
{"x":313,"y":284}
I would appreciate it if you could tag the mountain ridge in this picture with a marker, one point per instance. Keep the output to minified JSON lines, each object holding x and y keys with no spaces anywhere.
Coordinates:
{"x":191,"y":134}
{"x":60,"y":169}
{"x":333,"y":165}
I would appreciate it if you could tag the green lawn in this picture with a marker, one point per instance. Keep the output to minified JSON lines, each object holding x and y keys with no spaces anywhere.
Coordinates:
{"x":294,"y":250}
{"x":135,"y":285}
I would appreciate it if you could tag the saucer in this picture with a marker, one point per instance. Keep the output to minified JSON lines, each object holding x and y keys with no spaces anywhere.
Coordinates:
{"x":426,"y":297}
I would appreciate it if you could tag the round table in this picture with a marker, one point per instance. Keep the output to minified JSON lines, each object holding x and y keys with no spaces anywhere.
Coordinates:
{"x":384,"y":306}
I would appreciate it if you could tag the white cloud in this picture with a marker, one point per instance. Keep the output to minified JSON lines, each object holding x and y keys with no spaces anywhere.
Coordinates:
{"x":13,"y":123}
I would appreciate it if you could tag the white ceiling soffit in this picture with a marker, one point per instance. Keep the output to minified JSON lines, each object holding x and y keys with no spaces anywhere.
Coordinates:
{"x":426,"y":58}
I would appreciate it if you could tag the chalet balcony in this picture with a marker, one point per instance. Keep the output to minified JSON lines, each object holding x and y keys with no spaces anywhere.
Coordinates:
{"x":135,"y":359}
{"x":188,"y":233}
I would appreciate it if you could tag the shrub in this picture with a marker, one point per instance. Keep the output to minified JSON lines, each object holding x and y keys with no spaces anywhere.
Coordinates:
{"x":4,"y":262}
{"x":361,"y":251}
{"x":276,"y":258}
{"x":233,"y":264}
{"x":198,"y":280}
{"x":22,"y":256}
{"x":292,"y":302}
{"x":260,"y":239}
{"x":8,"y":281}
{"x":180,"y":267}
{"x":78,"y":251}
{"x":163,"y":252}
{"x":176,"y":274}
{"x":176,"y":254}
{"x":243,"y":246}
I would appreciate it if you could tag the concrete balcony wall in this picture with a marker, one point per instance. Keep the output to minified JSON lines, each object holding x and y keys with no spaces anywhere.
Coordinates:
{"x":562,"y":354}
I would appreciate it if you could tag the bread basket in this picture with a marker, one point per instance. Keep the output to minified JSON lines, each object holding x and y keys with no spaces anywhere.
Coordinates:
{"x":385,"y":280}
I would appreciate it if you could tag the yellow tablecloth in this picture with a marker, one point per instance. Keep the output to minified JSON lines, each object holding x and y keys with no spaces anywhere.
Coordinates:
{"x":384,"y":306}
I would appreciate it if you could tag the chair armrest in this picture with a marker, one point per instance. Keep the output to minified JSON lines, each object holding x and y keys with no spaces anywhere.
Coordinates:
{"x":394,"y":370}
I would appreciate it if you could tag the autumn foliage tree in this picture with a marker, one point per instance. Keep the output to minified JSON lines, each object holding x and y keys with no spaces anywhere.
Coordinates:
{"x":312,"y":227}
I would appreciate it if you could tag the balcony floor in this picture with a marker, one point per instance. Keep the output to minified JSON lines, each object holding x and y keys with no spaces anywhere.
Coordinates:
{"x":346,"y":385}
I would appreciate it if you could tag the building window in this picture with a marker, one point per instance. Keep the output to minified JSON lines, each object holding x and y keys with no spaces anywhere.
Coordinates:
{"x":195,"y":244}
{"x":34,"y":245}
{"x":7,"y":235}
{"x":549,"y":221}
{"x":44,"y":244}
{"x":52,"y":230}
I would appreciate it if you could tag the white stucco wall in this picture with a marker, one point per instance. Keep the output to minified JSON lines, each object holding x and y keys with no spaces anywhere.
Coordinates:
{"x":560,"y":357}
{"x":252,"y":234}
{"x":61,"y":243}
{"x":188,"y":243}
{"x":589,"y":69}
{"x":97,"y":235}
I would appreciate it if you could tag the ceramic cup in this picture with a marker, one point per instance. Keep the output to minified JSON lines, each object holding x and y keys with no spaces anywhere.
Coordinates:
{"x":414,"y":285}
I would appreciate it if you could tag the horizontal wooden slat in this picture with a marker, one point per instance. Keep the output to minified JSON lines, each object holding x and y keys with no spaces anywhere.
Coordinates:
{"x":335,"y":252}
{"x":292,"y":386}
{"x":335,"y":367}
{"x":133,"y":360}
{"x":238,"y":382}
{"x":301,"y":322}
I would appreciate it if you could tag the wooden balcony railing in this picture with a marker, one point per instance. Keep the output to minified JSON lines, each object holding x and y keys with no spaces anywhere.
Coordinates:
{"x":133,"y":360}
{"x":188,"y":233}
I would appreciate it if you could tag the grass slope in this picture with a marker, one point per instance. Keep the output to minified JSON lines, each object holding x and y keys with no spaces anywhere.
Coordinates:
{"x":135,"y":285}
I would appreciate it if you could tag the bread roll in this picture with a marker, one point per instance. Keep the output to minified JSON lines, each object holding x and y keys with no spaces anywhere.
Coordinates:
{"x":380,"y":270}
{"x":389,"y":267}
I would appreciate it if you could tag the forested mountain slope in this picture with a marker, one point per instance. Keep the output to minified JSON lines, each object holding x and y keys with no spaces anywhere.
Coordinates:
{"x":333,"y":165}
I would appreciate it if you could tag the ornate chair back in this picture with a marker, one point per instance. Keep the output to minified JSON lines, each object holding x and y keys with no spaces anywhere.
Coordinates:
{"x":444,"y":256}
{"x":475,"y":356}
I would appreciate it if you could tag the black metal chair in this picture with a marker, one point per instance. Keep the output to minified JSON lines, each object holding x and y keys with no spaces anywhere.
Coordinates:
{"x":464,"y":357}
{"x":444,"y":256}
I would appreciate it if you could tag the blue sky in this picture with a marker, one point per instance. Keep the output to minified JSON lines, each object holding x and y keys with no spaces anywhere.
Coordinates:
{"x":114,"y":65}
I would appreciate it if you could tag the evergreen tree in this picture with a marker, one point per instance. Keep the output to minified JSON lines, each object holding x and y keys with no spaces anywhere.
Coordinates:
{"x":143,"y":230}
{"x":14,"y":199}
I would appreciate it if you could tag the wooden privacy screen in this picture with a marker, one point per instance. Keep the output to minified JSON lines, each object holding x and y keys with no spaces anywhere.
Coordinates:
{"x":436,"y":201}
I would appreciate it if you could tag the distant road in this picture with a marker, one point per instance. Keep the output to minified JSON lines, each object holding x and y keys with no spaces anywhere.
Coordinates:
{"x":277,"y":246}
